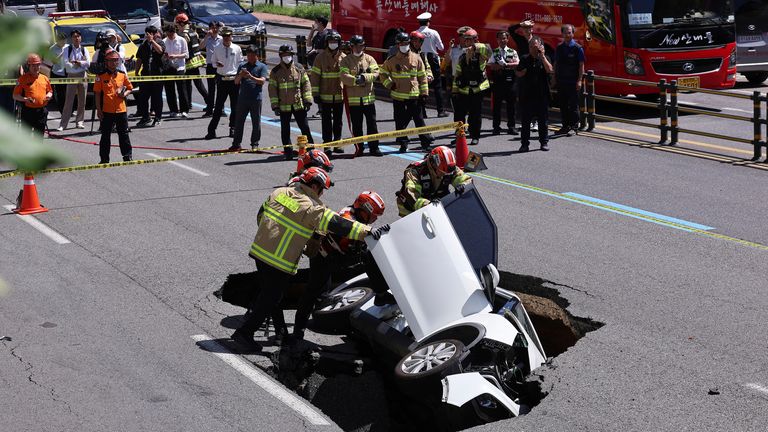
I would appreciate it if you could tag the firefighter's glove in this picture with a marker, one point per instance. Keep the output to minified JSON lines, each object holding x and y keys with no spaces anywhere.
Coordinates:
{"x":435,"y":201}
{"x":360,"y":80}
{"x":307,"y":106}
{"x":312,"y":247}
{"x":276,"y":109}
{"x":378,"y":232}
{"x":459,"y":190}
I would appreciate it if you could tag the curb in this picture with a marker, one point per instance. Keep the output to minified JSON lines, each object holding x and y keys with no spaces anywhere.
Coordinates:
{"x":285,"y":24}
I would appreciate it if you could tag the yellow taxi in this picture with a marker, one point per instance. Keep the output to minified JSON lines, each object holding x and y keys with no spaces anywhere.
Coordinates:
{"x":90,"y":24}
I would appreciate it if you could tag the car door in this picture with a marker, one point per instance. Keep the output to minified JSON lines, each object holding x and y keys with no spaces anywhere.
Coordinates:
{"x":428,"y":271}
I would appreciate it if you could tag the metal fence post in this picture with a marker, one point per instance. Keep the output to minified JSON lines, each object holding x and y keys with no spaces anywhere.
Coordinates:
{"x":583,"y":104}
{"x":663,"y":127}
{"x":590,"y":100}
{"x":301,"y":50}
{"x":757,"y":124}
{"x":673,"y":112}
{"x":261,"y":45}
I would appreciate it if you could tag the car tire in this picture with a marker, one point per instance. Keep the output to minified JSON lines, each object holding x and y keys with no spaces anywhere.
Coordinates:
{"x":421,"y":371}
{"x":756,"y":78}
{"x":332,"y":313}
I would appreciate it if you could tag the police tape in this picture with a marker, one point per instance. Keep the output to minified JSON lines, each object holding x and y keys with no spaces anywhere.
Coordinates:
{"x":339,"y":143}
{"x":133,"y":79}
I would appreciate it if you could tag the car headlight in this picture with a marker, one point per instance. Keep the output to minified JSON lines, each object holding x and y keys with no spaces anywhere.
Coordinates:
{"x":261,"y":28}
{"x":633,"y":65}
{"x":732,"y":58}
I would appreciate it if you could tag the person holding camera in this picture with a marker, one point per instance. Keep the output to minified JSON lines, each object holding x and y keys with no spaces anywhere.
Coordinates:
{"x":110,"y":90}
{"x":502,"y":66}
{"x":176,"y":53}
{"x":75,"y":60}
{"x":316,"y":38}
{"x":533,"y":72}
{"x":358,"y":73}
{"x":34,"y":89}
{"x":290,"y":95}
{"x":150,"y":63}
{"x":211,"y":40}
{"x":470,"y":82}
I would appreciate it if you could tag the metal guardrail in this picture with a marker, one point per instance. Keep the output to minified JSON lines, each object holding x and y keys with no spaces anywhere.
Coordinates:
{"x":670,"y":109}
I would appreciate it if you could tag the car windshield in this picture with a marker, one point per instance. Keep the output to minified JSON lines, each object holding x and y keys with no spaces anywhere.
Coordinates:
{"x":652,"y":13}
{"x":203,"y":9}
{"x":123,"y":9}
{"x":89,"y":31}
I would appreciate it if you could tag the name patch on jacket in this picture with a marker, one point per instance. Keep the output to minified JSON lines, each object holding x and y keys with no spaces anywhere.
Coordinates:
{"x":287,"y":202}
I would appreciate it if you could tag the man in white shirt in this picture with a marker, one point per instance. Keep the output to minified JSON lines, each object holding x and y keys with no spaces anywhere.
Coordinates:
{"x":75,"y":59}
{"x":227,"y":58}
{"x":432,"y":46}
{"x":209,"y":43}
{"x":176,"y":52}
{"x":55,"y":52}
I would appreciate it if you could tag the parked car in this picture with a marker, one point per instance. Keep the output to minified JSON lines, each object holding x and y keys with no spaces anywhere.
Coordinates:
{"x":245,"y":26}
{"x":461,"y":340}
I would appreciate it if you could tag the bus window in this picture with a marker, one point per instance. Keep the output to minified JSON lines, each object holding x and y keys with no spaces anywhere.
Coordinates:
{"x":598,"y":14}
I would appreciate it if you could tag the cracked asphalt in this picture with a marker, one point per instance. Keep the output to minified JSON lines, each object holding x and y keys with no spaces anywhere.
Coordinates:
{"x":150,"y":243}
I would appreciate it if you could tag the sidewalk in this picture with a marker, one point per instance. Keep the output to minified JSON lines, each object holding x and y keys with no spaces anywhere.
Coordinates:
{"x":283,"y":20}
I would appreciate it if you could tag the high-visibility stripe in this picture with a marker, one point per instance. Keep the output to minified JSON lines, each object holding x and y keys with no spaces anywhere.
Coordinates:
{"x":273,"y":260}
{"x":330,"y":75}
{"x":396,"y":94}
{"x":284,"y":242}
{"x":325,"y":220}
{"x":421,"y":202}
{"x":412,"y":185}
{"x":287,"y":223}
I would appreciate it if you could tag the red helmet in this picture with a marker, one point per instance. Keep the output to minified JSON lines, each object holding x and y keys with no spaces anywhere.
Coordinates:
{"x":181,"y":18}
{"x":33,"y":59}
{"x":417,"y":35}
{"x":371,"y":203}
{"x":316,"y":175}
{"x":442,"y":159}
{"x":471,"y":33}
{"x":316,"y":158}
{"x":111,"y":53}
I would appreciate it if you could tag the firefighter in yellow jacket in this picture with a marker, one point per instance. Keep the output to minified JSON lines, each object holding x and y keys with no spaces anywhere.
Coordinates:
{"x":290,"y":95}
{"x":427,"y":180}
{"x":358,"y":73}
{"x":326,"y":88}
{"x":287,"y":221}
{"x":405,"y":75}
{"x":470,"y":82}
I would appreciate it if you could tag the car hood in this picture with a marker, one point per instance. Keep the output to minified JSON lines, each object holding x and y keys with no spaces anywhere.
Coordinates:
{"x":232,"y":20}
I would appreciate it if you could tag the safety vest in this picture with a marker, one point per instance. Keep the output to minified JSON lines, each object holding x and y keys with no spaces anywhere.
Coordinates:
{"x":470,"y":74}
{"x":405,"y":75}
{"x":350,"y":67}
{"x":326,"y":77}
{"x":419,"y":186}
{"x":289,"y":87}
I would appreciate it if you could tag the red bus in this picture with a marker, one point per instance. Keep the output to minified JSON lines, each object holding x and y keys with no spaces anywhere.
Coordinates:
{"x":691,"y":41}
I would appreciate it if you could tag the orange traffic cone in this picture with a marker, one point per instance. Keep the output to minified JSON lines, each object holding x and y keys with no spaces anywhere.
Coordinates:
{"x":30,"y":204}
{"x":462,"y":151}
{"x":301,"y":141}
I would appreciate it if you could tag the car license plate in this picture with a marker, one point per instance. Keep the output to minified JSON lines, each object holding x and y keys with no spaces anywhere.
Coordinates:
{"x":241,"y":38}
{"x":749,"y":38}
{"x":688,"y":82}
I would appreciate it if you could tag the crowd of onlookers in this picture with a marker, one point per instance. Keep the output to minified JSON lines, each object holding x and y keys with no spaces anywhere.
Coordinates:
{"x":340,"y":77}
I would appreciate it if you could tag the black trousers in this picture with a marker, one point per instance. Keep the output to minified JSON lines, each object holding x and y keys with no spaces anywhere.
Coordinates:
{"x":210,"y":101}
{"x":59,"y":92}
{"x":458,"y":115}
{"x":150,"y":91}
{"x":198,"y":85}
{"x":170,"y":92}
{"x":356,"y":114}
{"x":405,"y":111}
{"x":534,"y":110}
{"x":245,"y":107}
{"x":224,"y":89}
{"x":36,"y":118}
{"x":273,"y":284}
{"x":301,"y":121}
{"x":331,"y":120}
{"x":504,"y":93}
{"x":568,"y":99}
{"x":437,"y":82}
{"x":471,"y":105}
{"x":319,"y":282}
{"x":120,"y":121}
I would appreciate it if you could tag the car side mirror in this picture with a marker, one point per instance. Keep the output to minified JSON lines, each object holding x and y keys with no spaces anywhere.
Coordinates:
{"x":490,"y":280}
{"x":134,"y":37}
{"x":249,"y":10}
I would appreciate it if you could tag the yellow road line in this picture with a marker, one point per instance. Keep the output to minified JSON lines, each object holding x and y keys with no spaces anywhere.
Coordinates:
{"x":697,"y":143}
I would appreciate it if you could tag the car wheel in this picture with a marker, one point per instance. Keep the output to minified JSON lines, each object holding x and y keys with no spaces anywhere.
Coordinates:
{"x":756,"y":78}
{"x":332,"y":313}
{"x":422,"y":369}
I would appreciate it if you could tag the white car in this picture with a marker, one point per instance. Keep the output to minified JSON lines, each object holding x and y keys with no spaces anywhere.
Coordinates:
{"x":460,"y":339}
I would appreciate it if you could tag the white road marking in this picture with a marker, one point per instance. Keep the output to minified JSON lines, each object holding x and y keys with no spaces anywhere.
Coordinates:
{"x":737,"y":109}
{"x":180,"y":165}
{"x":43,"y":228}
{"x":262,"y":380}
{"x":757,"y":387}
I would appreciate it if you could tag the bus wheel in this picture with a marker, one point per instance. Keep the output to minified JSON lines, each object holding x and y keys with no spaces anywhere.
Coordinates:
{"x":756,"y":78}
{"x":648,"y":97}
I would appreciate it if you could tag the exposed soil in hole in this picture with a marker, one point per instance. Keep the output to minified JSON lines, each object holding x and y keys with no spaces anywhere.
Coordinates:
{"x":354,"y":386}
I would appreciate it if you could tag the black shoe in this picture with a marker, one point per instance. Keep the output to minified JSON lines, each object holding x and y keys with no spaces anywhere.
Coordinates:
{"x":523,"y":149}
{"x":104,"y":161}
{"x":442,"y":114}
{"x":143,"y":123}
{"x":224,"y":115}
{"x":208,"y":113}
{"x":210,"y":135}
{"x":235,"y":148}
{"x":496,"y":131}
{"x":403,"y":148}
{"x":376,"y":152}
{"x":474,"y":141}
{"x":254,"y":145}
{"x":338,"y":150}
{"x":562,"y":131}
{"x":288,"y":152}
{"x":245,"y":341}
{"x":513,"y":131}
{"x":544,"y":147}
{"x":383,"y":299}
{"x":157,"y":122}
{"x":127,"y":158}
{"x":231,"y":132}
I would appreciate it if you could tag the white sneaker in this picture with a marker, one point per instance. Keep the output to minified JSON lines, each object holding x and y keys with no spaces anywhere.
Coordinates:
{"x":185,"y":115}
{"x":59,"y":128}
{"x":80,"y":125}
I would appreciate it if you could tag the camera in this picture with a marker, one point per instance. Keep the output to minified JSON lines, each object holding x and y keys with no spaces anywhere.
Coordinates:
{"x":102,"y":42}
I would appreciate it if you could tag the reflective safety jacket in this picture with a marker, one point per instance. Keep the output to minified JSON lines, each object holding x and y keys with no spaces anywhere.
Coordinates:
{"x":350,"y":67}
{"x":421,"y":185}
{"x":325,"y":76}
{"x":196,"y":57}
{"x":289,"y":87}
{"x":287,"y":221}
{"x":470,"y":72}
{"x":405,"y":75}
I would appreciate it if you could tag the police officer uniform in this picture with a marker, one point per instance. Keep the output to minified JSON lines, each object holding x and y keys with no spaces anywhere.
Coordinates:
{"x":432,"y":46}
{"x":230,"y":57}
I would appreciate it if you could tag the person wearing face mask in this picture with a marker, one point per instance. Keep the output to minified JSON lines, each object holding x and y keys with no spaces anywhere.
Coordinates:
{"x":470,"y":82}
{"x":417,"y":41}
{"x":326,"y":88}
{"x":533,"y":73}
{"x":405,"y":75}
{"x":358,"y":73}
{"x":290,"y":95}
{"x":452,"y":59}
